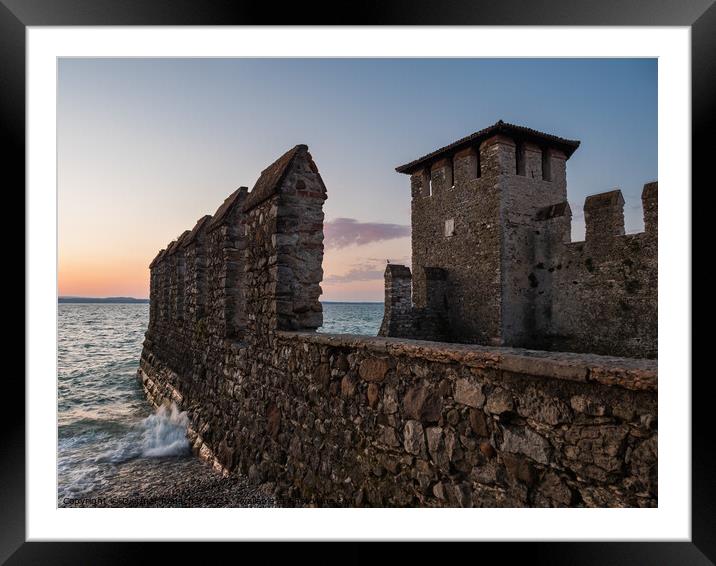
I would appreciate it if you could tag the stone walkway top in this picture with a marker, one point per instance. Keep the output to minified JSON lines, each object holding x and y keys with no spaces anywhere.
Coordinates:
{"x":629,"y":373}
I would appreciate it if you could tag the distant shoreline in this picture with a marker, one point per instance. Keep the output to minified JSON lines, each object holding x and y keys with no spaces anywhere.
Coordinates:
{"x":100,"y":300}
{"x":352,"y":302}
{"x":132,"y":300}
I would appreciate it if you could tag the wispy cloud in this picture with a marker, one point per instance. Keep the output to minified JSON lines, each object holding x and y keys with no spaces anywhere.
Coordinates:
{"x":343,"y":232}
{"x":370,"y":269}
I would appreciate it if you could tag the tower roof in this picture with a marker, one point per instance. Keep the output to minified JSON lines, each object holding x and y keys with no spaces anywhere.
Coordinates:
{"x":500,"y":127}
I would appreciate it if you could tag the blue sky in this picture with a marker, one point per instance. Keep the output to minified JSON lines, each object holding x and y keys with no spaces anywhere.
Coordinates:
{"x":147,"y":146}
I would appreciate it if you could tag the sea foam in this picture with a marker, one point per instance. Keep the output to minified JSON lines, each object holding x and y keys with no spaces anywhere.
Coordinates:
{"x":160,"y":435}
{"x":165,"y":433}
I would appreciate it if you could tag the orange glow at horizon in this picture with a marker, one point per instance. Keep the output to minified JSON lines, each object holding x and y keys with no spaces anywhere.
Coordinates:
{"x":99,"y":277}
{"x":131,"y":279}
{"x":97,"y":274}
{"x":92,"y":280}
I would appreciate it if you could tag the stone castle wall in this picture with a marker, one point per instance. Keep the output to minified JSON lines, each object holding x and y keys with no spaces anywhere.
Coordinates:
{"x":471,"y":252}
{"x":338,"y":420}
{"x":346,"y":420}
{"x":601,"y":294}
{"x":495,"y":219}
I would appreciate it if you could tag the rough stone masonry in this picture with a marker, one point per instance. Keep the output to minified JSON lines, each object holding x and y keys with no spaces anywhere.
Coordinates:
{"x":493,"y":262}
{"x":341,"y":420}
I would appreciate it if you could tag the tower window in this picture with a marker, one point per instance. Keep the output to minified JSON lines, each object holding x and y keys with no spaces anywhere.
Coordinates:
{"x":427,"y":183}
{"x":546,"y":165}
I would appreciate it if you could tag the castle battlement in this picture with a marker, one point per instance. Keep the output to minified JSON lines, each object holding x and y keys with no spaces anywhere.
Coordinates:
{"x":345,"y":420}
{"x":209,"y":284}
{"x":490,"y":210}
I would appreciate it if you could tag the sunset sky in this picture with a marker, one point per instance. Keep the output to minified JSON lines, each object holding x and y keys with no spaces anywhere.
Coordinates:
{"x":148,"y":146}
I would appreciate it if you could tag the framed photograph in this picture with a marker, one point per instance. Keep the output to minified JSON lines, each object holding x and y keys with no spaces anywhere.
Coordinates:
{"x":290,"y":278}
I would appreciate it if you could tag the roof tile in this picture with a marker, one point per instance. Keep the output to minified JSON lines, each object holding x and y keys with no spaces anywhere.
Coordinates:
{"x":568,"y":146}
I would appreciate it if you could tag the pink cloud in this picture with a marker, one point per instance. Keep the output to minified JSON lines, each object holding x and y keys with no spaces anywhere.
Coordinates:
{"x":371,"y":269}
{"x":343,"y":232}
{"x":366,"y":273}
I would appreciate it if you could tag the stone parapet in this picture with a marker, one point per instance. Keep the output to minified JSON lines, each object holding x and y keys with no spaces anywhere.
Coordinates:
{"x":346,"y":420}
{"x":628,"y":373}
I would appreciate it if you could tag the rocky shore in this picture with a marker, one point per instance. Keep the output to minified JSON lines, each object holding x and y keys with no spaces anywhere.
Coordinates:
{"x":173,"y":482}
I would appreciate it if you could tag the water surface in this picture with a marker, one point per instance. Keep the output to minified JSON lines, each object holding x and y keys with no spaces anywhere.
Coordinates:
{"x":110,"y":442}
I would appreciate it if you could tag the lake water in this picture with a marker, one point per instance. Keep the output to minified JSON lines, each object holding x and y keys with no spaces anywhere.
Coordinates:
{"x":110,"y":443}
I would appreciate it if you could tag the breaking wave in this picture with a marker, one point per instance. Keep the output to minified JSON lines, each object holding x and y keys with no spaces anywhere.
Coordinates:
{"x":160,"y":435}
{"x":165,"y":433}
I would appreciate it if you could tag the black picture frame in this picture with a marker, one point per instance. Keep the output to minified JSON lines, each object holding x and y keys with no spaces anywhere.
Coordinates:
{"x":700,"y":15}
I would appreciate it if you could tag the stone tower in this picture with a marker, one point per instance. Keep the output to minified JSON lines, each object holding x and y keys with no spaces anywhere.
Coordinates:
{"x":475,"y":234}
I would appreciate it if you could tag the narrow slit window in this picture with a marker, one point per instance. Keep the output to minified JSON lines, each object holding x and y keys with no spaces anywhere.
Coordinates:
{"x":546,"y":165}
{"x":427,"y":183}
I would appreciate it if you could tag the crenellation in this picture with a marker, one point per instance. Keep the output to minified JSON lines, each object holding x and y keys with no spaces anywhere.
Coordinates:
{"x":195,"y":247}
{"x":503,"y":240}
{"x":466,"y":165}
{"x":420,"y":184}
{"x":398,"y":301}
{"x":343,"y":420}
{"x":441,"y":176}
{"x":557,"y":166}
{"x":225,"y":234}
{"x":603,"y":217}
{"x":649,"y":200}
{"x":533,"y":160}
{"x":498,"y":154}
{"x":284,"y":261}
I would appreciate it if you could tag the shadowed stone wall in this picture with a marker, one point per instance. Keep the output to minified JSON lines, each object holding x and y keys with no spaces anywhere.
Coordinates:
{"x":355,"y":421}
{"x":339,"y":420}
{"x":469,"y":250}
{"x":599,"y":295}
{"x":491,"y":212}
